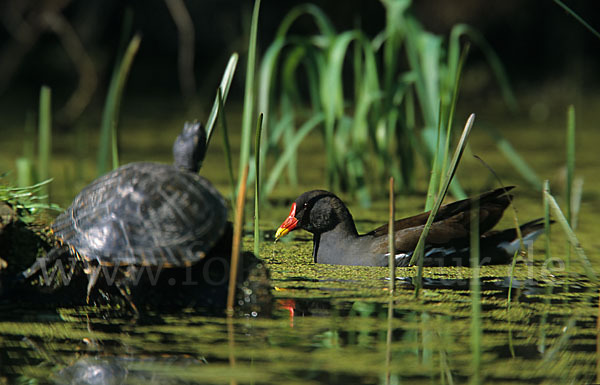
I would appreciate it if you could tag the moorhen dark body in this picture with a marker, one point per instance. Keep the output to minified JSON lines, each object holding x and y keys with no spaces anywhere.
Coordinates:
{"x":337,"y":242}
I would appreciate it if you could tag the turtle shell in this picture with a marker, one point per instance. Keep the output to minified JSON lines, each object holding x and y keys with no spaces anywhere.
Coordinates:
{"x":144,"y":214}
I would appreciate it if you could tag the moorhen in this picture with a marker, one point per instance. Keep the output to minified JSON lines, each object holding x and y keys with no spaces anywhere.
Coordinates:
{"x":337,"y":242}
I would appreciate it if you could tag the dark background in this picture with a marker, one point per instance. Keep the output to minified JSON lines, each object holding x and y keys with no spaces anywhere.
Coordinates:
{"x":546,"y":52}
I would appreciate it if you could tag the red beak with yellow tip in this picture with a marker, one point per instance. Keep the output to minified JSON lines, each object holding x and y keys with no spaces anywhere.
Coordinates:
{"x":289,"y":224}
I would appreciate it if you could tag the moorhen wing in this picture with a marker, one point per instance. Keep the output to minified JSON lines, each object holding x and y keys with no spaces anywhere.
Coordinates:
{"x":337,"y":242}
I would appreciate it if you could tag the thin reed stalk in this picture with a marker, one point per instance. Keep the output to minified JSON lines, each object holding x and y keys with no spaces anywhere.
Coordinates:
{"x":392,"y":283}
{"x":222,"y":93}
{"x":110,"y":114}
{"x":24,"y":171}
{"x":237,"y":242}
{"x":570,"y":150}
{"x":45,"y":137}
{"x":249,"y":93}
{"x":392,"y":238}
{"x":476,"y":331}
{"x":545,"y":195}
{"x":257,"y":185}
{"x":435,"y":179}
{"x":578,"y":18}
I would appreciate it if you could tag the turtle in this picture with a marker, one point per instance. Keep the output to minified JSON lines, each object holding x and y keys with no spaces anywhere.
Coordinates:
{"x":142,"y":214}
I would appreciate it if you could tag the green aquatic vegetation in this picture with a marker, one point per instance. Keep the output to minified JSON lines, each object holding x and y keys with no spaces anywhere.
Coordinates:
{"x":370,"y":125}
{"x":108,"y":128}
{"x":249,"y":97}
{"x":27,"y":202}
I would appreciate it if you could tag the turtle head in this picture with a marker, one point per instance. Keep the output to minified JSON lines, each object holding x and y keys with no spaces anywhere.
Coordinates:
{"x":190,"y":147}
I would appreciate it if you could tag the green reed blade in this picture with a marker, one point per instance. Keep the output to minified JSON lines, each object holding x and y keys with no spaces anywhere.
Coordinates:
{"x":45,"y":136}
{"x":545,"y":194}
{"x":418,"y":254}
{"x":320,"y":19}
{"x":578,"y":18}
{"x":249,"y":96}
{"x":267,"y":74}
{"x":434,"y":186}
{"x":452,"y":106}
{"x":570,"y":157}
{"x":257,"y":185}
{"x":24,"y":171}
{"x":224,"y":87}
{"x":570,"y":150}
{"x":110,"y":114}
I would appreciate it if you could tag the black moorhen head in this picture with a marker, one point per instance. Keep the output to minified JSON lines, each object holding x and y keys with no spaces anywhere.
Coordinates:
{"x":336,"y":240}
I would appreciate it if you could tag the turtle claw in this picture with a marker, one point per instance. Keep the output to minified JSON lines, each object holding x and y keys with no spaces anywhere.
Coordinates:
{"x":92,"y":279}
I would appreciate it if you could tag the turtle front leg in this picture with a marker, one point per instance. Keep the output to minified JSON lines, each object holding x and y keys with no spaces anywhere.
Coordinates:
{"x":93,"y":273}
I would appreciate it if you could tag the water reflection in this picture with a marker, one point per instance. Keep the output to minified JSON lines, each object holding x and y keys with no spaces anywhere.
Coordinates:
{"x":547,"y":334}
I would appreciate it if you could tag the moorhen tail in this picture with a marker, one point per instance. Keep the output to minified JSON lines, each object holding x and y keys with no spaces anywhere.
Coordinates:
{"x":337,"y":242}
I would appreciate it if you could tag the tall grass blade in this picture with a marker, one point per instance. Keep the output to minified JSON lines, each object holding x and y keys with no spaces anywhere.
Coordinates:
{"x":578,"y":18}
{"x":226,"y":148}
{"x":110,"y":115}
{"x":435,"y":183}
{"x":570,"y":171}
{"x":392,"y":283}
{"x":257,"y":185}
{"x":45,"y":137}
{"x":475,"y":296}
{"x":249,"y":92}
{"x":24,"y":171}
{"x":560,"y":217}
{"x":238,"y":226}
{"x":546,"y":204}
{"x":417,"y":257}
{"x":224,"y":90}
{"x":452,"y":106}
